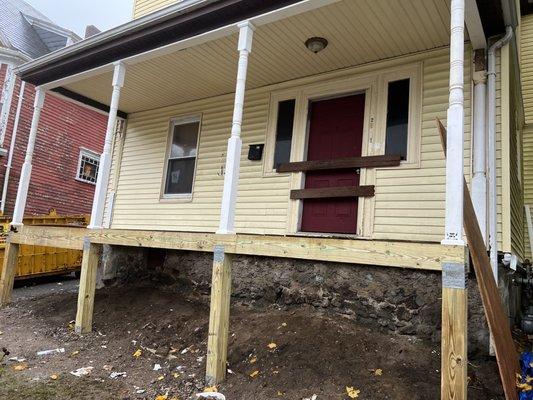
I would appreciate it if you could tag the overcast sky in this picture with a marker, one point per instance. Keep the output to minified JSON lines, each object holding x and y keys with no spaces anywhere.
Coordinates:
{"x":77,"y":14}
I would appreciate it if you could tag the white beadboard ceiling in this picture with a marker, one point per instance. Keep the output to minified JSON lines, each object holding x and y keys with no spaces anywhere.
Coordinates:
{"x":358,"y":31}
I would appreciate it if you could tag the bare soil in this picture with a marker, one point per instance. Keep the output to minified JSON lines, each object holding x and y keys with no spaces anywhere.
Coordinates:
{"x":316,"y":352}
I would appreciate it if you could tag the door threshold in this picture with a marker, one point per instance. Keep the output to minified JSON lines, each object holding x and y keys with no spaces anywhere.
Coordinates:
{"x":329,"y":235}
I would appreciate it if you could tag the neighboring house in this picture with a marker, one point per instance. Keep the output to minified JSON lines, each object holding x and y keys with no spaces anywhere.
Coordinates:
{"x":70,"y":137}
{"x":305,"y":130}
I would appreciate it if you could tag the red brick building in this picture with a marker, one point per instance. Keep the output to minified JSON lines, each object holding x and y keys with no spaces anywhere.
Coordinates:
{"x":70,"y":136}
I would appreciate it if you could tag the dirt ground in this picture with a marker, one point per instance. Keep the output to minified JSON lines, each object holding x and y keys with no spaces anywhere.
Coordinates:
{"x":315,"y":353}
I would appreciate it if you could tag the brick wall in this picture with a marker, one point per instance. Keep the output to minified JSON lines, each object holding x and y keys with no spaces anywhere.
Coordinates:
{"x":64,"y":128}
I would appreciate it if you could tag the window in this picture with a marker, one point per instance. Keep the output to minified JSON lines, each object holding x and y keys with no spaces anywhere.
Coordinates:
{"x":397,"y":131}
{"x":88,"y":164}
{"x":181,"y":161}
{"x":284,"y":126}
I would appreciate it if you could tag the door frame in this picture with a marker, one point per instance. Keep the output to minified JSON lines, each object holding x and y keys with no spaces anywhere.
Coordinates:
{"x":322,"y":91}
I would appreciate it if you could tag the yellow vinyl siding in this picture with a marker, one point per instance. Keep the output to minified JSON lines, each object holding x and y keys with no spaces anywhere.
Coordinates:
{"x":526,"y":67}
{"x":409,"y":203}
{"x":528,"y":180}
{"x":143,"y":7}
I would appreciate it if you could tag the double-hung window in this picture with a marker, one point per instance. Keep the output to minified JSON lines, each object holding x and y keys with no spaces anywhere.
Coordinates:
{"x":181,"y":157}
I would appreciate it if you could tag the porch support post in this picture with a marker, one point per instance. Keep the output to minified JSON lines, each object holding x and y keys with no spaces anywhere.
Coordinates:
{"x":479,"y":179}
{"x":233,"y":157}
{"x":25,"y":173}
{"x":217,"y":345}
{"x":9,"y":267}
{"x":89,"y":265}
{"x":454,"y":294}
{"x":104,"y":170}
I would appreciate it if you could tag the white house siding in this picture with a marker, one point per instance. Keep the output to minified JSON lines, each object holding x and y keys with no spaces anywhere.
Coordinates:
{"x":409,"y":203}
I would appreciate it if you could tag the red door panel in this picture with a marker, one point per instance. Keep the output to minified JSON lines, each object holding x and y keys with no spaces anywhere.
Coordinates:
{"x":336,"y":131}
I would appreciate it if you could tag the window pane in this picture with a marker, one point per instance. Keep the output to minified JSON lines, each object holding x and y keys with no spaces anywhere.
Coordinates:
{"x":397,"y":118}
{"x":282,"y":152}
{"x":88,"y":168}
{"x":180,"y":175}
{"x":184,"y":140}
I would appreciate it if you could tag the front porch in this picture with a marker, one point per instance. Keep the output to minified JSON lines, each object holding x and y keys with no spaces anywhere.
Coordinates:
{"x":403,"y":198}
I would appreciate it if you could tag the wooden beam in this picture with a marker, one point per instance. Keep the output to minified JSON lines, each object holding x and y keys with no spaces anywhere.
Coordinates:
{"x":333,"y":192}
{"x":454,"y":357}
{"x":428,"y":256}
{"x":9,"y":267}
{"x":89,"y":265}
{"x":341,"y":163}
{"x":217,"y":346}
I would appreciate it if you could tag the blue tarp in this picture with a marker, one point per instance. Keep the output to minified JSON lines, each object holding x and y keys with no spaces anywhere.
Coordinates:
{"x":526,"y":366}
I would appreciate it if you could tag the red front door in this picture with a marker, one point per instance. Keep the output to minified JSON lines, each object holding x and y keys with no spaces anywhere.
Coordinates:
{"x":336,"y":131}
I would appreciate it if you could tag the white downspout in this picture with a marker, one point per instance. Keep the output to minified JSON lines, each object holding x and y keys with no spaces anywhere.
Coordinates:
{"x":12,"y":148}
{"x":493,"y":190}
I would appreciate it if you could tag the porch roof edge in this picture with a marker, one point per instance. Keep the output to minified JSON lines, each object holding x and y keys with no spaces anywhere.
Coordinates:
{"x":184,"y":20}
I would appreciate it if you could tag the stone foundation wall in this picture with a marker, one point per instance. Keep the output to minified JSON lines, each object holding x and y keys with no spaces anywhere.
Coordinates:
{"x":396,"y":300}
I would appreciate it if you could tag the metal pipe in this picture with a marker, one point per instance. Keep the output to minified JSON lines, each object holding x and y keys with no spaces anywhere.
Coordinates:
{"x":491,"y":110}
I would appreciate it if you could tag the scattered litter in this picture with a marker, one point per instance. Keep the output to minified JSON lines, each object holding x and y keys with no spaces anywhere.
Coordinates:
{"x":171,"y":357}
{"x":74,"y":353}
{"x":524,"y":381}
{"x":17,"y":359}
{"x":140,"y":391}
{"x":82,"y":371}
{"x":184,"y":351}
{"x":138,"y":353}
{"x":313,"y":397}
{"x":103,"y":346}
{"x":54,"y":377}
{"x":352,"y":392}
{"x":254,"y":374}
{"x":200,"y":359}
{"x":20,"y":367}
{"x":231,"y":372}
{"x":50,"y":352}
{"x":378,"y":372}
{"x":180,"y":368}
{"x":150,"y":350}
{"x":115,"y":375}
{"x":272,"y":346}
{"x":107,"y":367}
{"x":211,"y":395}
{"x":157,"y":367}
{"x":253,"y":360}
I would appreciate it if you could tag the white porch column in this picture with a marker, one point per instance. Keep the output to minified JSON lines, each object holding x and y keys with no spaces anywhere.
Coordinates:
{"x":97,"y":214}
{"x":455,"y":121}
{"x":25,"y":173}
{"x":233,"y":157}
{"x":479,"y":179}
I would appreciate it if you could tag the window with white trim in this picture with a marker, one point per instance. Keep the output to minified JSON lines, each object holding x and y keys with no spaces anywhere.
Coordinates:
{"x":88,"y":165}
{"x":181,"y":157}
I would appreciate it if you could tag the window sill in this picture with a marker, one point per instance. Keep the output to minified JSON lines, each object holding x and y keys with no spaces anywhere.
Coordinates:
{"x":84,"y":181}
{"x":179,"y":198}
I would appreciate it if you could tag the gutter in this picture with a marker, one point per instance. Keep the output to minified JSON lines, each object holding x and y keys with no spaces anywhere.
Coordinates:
{"x":491,"y":122}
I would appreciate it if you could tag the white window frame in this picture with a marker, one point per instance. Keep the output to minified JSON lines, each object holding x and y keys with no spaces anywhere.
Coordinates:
{"x":172,"y":124}
{"x":90,"y":154}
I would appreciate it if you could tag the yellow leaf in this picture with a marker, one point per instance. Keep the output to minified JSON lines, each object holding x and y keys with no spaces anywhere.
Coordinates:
{"x":161,"y":397}
{"x":74,"y":353}
{"x":253,"y":360}
{"x":352,"y":392}
{"x":160,"y":378}
{"x":176,"y":375}
{"x":20,"y":367}
{"x":137,"y":353}
{"x":254,"y":374}
{"x":54,"y":377}
{"x":272,"y":346}
{"x":378,"y":372}
{"x":211,"y":389}
{"x":280,"y":393}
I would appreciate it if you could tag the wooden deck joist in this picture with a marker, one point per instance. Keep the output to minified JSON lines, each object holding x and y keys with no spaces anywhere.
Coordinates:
{"x":417,"y":255}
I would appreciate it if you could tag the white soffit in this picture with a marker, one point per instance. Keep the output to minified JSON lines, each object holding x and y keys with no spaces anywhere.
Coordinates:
{"x":358,"y":31}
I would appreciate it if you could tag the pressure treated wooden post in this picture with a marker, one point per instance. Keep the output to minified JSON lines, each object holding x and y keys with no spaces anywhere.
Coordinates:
{"x":454,"y":332}
{"x":217,"y":346}
{"x":9,"y":267}
{"x":89,"y":265}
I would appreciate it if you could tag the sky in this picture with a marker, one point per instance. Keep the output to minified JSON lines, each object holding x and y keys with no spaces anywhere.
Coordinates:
{"x":77,"y":14}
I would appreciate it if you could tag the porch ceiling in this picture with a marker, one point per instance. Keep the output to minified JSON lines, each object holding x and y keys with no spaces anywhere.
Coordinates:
{"x":358,"y":31}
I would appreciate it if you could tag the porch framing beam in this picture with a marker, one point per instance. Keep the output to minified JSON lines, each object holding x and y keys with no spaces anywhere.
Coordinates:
{"x":415,"y":255}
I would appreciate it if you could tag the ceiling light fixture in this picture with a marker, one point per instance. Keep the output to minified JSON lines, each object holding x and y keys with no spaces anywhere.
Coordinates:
{"x":316,"y":44}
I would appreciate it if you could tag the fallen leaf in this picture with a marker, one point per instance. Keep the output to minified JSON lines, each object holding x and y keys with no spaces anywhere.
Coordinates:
{"x":137,"y":353}
{"x":272,"y":346}
{"x":176,"y":375}
{"x":378,"y":372}
{"x":20,"y":367}
{"x":107,"y":367}
{"x":253,"y":360}
{"x":211,"y":389}
{"x":161,"y":397}
{"x":160,"y":378}
{"x":54,"y":377}
{"x":254,"y":374}
{"x":280,"y":393}
{"x":74,"y":353}
{"x":352,"y":392}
